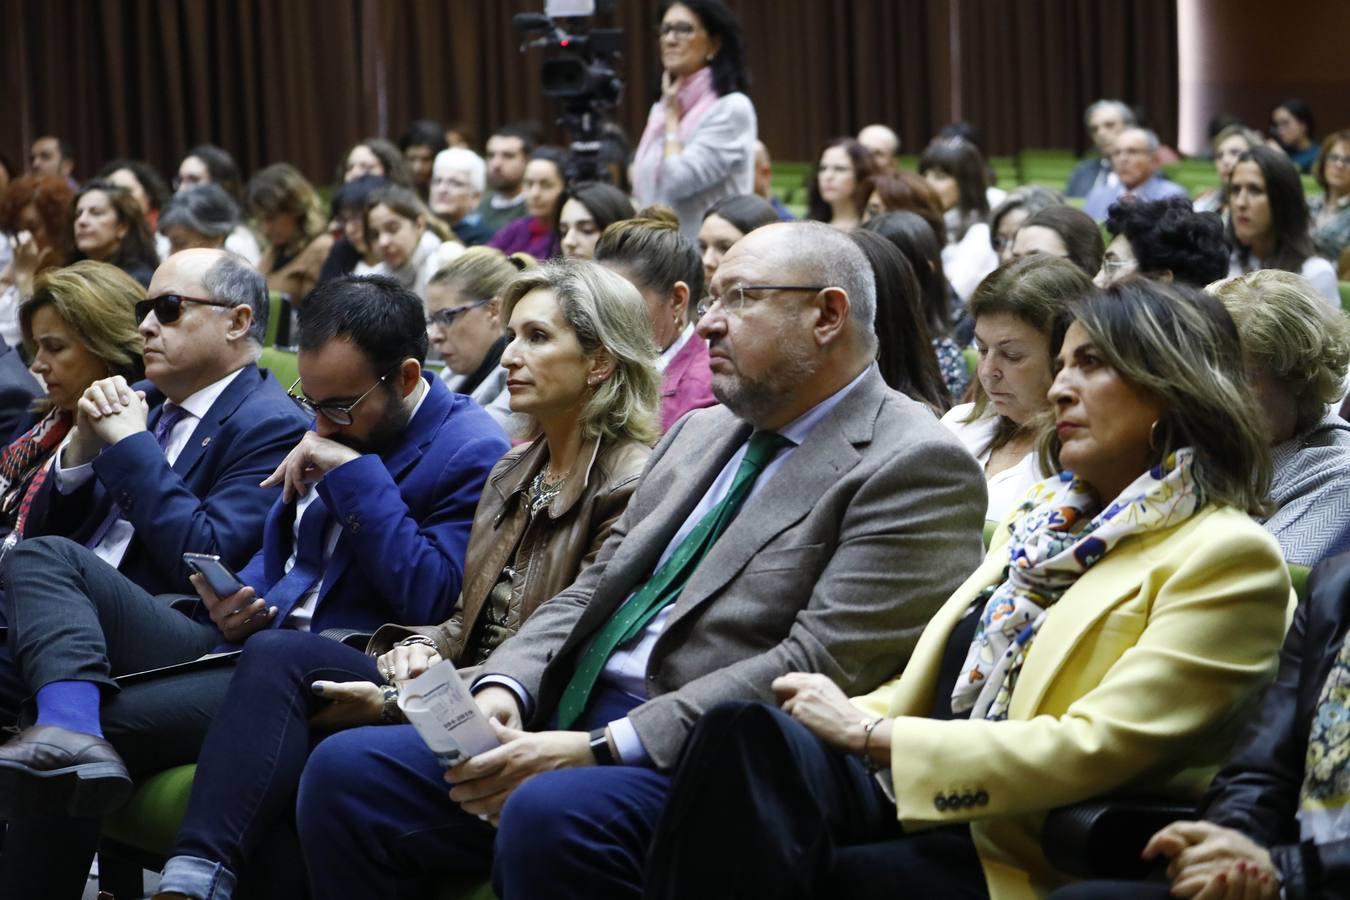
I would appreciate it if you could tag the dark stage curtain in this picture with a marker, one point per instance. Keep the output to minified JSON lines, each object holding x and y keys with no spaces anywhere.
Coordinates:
{"x":301,"y":80}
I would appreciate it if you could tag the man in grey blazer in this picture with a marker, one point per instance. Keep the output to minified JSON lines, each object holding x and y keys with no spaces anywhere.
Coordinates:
{"x":857,"y":524}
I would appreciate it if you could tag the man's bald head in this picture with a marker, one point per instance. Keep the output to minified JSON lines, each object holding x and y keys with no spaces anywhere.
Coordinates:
{"x":816,"y":253}
{"x":793,"y":321}
{"x":215,"y":274}
{"x":882,"y":145}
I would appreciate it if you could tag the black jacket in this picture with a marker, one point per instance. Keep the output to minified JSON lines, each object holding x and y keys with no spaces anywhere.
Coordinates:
{"x":1257,"y":791}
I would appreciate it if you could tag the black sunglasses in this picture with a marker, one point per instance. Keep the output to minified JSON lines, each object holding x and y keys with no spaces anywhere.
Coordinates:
{"x":168,"y":307}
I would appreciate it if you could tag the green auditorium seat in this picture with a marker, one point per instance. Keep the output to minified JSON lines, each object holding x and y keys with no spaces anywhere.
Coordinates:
{"x":1345,"y":295}
{"x":281,"y":363}
{"x":276,"y":302}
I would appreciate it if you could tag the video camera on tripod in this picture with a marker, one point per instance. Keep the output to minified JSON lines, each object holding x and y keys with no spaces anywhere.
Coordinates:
{"x":579,"y":71}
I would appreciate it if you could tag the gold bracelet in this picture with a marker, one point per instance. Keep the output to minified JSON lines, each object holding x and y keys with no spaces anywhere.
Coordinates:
{"x":870,"y":725}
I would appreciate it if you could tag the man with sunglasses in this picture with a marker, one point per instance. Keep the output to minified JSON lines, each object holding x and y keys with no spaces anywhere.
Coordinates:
{"x":371,"y":526}
{"x":811,"y":523}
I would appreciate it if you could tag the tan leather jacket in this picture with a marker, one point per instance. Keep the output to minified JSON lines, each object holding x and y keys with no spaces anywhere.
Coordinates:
{"x":544,"y":553}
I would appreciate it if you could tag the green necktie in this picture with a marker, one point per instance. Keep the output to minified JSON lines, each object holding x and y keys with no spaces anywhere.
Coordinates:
{"x":667,"y":582}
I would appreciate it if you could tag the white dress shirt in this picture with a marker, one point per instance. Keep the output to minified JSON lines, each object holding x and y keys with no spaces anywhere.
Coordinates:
{"x":112,"y":546}
{"x":1009,"y":486}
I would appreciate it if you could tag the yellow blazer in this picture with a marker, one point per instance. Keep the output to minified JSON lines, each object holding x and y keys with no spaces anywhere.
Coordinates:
{"x":1140,"y":671}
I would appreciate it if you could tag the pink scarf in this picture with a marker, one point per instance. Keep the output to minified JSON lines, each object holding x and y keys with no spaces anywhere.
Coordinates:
{"x":696,"y":97}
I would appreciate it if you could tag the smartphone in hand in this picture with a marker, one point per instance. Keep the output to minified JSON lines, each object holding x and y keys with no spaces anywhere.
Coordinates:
{"x":217,"y":574}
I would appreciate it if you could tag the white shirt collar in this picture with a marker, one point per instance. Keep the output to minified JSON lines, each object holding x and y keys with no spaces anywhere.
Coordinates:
{"x":196,"y":405}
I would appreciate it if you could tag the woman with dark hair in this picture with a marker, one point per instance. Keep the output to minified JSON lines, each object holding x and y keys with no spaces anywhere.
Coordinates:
{"x":545,"y":189}
{"x":1292,"y":125}
{"x":726,"y":222}
{"x":1331,"y":211}
{"x":109,"y":227}
{"x":351,"y":254}
{"x":1064,"y":232}
{"x":374,"y":156}
{"x":140,"y":179}
{"x":699,"y":143}
{"x":1021,"y":312}
{"x":905,"y":355}
{"x":650,"y":252}
{"x":1127,"y":611}
{"x":35,"y":218}
{"x":1020,"y":204}
{"x":1268,"y":228}
{"x":1164,"y":239}
{"x":291,"y":220}
{"x":591,"y":207}
{"x":957,"y":174}
{"x":841,"y":185}
{"x":419,"y":145}
{"x":410,"y":242}
{"x":915,"y":239}
{"x":208,"y":164}
{"x":906,"y":192}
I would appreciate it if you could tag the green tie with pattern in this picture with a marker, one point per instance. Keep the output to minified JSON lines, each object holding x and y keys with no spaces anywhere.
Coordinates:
{"x":667,"y":582}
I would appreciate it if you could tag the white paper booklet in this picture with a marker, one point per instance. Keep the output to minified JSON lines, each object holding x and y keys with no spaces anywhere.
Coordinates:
{"x":440,"y":707}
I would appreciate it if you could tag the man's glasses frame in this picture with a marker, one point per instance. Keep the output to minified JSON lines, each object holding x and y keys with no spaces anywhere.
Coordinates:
{"x":734,"y":300}
{"x":337,"y":413}
{"x":169,"y":307}
{"x":447,"y":317}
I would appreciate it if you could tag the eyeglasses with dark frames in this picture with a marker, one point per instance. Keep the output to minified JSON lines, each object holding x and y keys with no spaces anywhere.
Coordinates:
{"x":447,"y":317}
{"x":337,"y":413}
{"x":681,"y":30}
{"x":734,"y":300}
{"x":168,"y":307}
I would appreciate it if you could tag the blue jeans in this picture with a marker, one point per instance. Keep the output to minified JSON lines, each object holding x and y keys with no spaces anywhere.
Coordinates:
{"x":253,"y":756}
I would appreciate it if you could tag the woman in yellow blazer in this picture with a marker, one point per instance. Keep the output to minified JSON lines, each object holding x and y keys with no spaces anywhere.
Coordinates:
{"x":1101,"y":647}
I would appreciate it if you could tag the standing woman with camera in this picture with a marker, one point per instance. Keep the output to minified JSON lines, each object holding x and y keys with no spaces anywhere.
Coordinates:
{"x":699,"y":144}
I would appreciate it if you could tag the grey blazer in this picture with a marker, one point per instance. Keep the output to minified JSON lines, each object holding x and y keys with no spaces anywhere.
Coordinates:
{"x":833,"y":566}
{"x":718,"y":162}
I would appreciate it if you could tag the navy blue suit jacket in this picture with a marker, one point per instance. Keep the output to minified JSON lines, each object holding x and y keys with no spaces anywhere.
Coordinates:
{"x":405,"y":516}
{"x":207,"y":502}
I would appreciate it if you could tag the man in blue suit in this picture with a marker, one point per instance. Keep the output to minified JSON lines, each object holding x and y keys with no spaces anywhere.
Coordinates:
{"x":372,"y":526}
{"x":150,"y":474}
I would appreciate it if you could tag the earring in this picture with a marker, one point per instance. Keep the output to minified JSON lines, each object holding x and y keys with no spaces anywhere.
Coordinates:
{"x":1153,"y":435}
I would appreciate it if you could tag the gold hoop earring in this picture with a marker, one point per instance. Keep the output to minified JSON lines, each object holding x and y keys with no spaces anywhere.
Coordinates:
{"x":1153,"y":435}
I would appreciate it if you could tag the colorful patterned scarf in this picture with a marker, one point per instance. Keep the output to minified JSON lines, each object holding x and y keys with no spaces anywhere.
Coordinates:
{"x":1046,"y":556}
{"x":1324,"y":799}
{"x":23,"y":465}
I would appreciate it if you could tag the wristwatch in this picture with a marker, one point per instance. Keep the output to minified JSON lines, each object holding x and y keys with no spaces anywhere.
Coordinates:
{"x":600,"y":749}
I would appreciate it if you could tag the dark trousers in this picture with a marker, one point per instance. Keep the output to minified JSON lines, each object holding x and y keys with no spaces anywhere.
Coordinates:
{"x":1113,"y":890}
{"x":73,"y":617}
{"x":374,"y":811}
{"x":258,"y":745}
{"x":761,"y":807}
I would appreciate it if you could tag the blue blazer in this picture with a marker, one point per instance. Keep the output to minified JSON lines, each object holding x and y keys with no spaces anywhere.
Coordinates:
{"x":207,"y":502}
{"x":405,"y":517}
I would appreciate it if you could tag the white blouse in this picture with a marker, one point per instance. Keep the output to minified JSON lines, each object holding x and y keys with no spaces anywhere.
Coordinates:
{"x":1008,"y":487}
